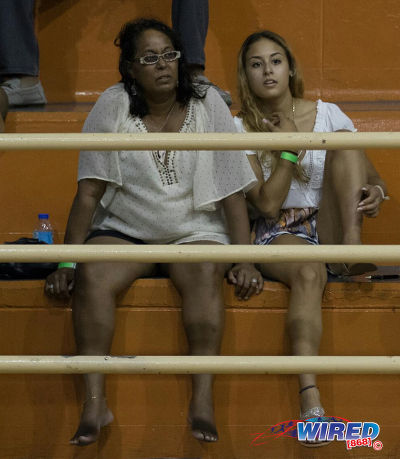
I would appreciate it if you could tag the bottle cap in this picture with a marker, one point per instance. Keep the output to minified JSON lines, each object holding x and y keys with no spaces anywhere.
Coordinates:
{"x":43,"y":216}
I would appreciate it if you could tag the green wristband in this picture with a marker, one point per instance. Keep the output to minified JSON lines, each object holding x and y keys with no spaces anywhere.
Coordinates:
{"x":289,"y":157}
{"x":67,"y":265}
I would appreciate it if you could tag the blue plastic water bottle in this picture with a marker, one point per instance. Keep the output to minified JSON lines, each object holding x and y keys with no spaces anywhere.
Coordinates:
{"x":44,"y":230}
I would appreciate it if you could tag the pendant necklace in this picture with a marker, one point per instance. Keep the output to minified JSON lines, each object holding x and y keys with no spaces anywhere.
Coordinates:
{"x":311,"y":154}
{"x":162,"y":155}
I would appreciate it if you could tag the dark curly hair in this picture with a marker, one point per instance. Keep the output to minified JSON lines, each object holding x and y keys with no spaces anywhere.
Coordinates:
{"x":127,"y":40}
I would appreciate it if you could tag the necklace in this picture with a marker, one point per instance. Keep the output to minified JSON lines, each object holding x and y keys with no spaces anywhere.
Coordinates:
{"x":161,"y":157}
{"x":160,"y":128}
{"x":311,"y":152}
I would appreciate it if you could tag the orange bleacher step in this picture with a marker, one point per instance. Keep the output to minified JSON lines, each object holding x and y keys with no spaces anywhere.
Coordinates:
{"x":40,"y":412}
{"x":160,"y":292}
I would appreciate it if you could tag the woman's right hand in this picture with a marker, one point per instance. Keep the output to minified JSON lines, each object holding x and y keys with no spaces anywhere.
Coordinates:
{"x":60,"y":283}
{"x":371,"y":200}
{"x":278,"y":122}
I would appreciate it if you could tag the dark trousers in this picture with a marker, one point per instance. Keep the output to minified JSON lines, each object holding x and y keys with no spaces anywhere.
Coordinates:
{"x":190,"y":20}
{"x":19,"y":51}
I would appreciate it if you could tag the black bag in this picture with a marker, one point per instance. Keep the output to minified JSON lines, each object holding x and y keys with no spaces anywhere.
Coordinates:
{"x":15,"y":271}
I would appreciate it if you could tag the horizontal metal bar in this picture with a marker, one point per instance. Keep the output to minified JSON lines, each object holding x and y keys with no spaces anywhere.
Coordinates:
{"x":200,"y":253}
{"x":199,"y":364}
{"x":203,"y":141}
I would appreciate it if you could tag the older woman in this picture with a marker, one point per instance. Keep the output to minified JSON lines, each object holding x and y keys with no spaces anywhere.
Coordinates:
{"x":302,"y":197}
{"x":157,"y":197}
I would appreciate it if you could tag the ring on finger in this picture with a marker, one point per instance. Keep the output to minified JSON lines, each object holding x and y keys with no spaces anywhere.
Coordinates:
{"x":51,"y":286}
{"x":254,"y":280}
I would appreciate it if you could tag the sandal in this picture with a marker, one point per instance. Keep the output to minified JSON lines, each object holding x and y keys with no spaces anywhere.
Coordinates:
{"x":350,"y":269}
{"x":312,"y":414}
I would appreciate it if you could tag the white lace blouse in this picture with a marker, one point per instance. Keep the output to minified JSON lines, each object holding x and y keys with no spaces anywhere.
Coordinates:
{"x":329,"y":118}
{"x":157,"y":202}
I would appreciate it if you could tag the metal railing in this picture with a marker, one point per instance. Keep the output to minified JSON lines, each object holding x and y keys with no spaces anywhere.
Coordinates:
{"x":194,"y":254}
{"x":206,"y":141}
{"x":184,"y":364}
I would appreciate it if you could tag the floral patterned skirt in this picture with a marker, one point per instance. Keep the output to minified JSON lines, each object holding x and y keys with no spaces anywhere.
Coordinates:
{"x":299,"y":222}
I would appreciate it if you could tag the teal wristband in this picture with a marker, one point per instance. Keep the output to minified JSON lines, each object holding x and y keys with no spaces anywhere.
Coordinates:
{"x":66,"y":265}
{"x":289,"y":157}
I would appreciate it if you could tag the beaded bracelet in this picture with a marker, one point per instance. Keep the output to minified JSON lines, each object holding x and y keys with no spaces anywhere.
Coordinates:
{"x":66,"y":265}
{"x":289,"y":156}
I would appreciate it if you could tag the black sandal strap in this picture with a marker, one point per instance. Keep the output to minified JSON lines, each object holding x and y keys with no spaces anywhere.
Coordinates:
{"x":306,"y":388}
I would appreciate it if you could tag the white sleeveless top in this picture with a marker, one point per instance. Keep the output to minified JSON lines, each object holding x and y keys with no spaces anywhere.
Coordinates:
{"x":329,"y":118}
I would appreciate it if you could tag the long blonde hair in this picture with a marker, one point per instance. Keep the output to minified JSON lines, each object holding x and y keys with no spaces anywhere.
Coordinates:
{"x":250,"y":111}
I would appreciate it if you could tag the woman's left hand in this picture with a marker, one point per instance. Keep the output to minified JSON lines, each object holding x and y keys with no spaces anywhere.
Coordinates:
{"x":370,"y":201}
{"x":247,"y":278}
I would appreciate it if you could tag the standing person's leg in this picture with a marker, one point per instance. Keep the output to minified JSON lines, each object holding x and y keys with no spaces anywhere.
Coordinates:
{"x":19,"y":50}
{"x":96,"y":289}
{"x":190,"y":21}
{"x":200,"y":286}
{"x":3,"y":109}
{"x":19,"y":53}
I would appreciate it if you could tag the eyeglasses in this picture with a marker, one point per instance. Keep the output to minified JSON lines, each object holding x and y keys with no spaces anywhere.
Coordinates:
{"x":152,"y":59}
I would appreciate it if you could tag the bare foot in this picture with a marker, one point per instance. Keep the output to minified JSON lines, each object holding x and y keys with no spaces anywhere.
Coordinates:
{"x":201,"y":419}
{"x":95,"y":415}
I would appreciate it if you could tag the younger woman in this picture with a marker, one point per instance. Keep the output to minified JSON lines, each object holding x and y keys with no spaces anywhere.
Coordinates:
{"x":302,"y":197}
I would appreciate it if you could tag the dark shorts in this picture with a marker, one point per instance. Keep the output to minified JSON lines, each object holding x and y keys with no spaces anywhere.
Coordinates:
{"x":113,"y":233}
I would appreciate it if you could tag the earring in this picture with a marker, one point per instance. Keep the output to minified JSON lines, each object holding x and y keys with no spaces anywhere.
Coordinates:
{"x":133,"y":88}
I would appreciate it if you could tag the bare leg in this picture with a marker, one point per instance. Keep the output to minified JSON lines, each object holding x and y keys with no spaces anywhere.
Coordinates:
{"x":200,"y":286}
{"x":345,"y":174}
{"x":96,"y":289}
{"x":306,"y":282}
{"x":338,"y":219}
